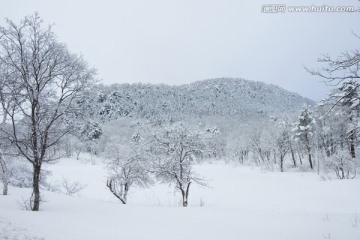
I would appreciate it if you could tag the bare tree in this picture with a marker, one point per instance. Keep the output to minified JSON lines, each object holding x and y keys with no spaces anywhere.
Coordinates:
{"x":281,"y":142}
{"x":345,"y":67}
{"x":43,"y":79}
{"x":343,"y":71}
{"x":127,"y":168}
{"x":176,"y":149}
{"x":128,"y":157}
{"x":259,"y":139}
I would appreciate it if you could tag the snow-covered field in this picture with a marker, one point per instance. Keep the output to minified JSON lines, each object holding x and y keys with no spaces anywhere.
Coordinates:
{"x":241,"y":203}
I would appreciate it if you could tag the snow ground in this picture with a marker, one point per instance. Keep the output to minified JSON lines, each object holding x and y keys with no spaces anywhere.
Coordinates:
{"x":241,"y":203}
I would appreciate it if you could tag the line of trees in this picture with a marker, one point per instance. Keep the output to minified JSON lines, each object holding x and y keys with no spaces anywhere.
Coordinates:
{"x":320,"y":139}
{"x":326,"y":135}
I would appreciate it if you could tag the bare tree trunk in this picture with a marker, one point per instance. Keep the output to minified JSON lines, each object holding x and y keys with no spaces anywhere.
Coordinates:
{"x":282,"y":159}
{"x":185,"y":195}
{"x":5,"y":175}
{"x":300,"y":158}
{"x":242,"y":156}
{"x":36,"y":187}
{"x":308,"y":148}
{"x":126,"y":190}
{"x":309,"y":157}
{"x":274,"y":158}
{"x":351,"y":142}
{"x":281,"y":164}
{"x":293,"y":157}
{"x":110,"y":185}
{"x":78,"y":151}
{"x":184,"y":200}
{"x":268,"y":155}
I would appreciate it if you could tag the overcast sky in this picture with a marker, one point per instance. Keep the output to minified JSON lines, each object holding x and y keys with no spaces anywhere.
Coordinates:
{"x":177,"y":42}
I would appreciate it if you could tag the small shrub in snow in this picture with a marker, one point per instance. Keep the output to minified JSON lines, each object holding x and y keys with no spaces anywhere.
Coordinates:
{"x":20,"y":175}
{"x":25,"y":204}
{"x":342,"y":164}
{"x":71,"y":188}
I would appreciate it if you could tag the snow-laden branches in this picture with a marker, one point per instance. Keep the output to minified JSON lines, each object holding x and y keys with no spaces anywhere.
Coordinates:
{"x":177,"y":148}
{"x":40,"y":80}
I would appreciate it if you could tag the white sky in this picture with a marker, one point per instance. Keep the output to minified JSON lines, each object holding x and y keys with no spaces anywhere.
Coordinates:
{"x":176,"y":42}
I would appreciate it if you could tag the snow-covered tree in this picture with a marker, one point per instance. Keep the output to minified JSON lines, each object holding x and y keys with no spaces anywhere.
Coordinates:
{"x":127,"y":156}
{"x":281,"y":140}
{"x":305,"y":130}
{"x":89,"y":137}
{"x":342,"y":164}
{"x":328,"y":131}
{"x":336,"y":135}
{"x":128,"y":167}
{"x":344,"y":72}
{"x":177,"y":148}
{"x":259,"y":140}
{"x":44,"y":78}
{"x":345,"y":101}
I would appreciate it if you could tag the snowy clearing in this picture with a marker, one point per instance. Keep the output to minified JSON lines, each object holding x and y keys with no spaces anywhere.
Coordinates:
{"x":241,"y":203}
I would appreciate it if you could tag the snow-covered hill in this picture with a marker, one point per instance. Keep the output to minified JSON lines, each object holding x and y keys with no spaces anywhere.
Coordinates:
{"x":225,"y":97}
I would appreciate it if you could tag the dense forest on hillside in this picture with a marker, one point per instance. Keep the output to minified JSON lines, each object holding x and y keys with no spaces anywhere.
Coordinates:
{"x":217,"y":97}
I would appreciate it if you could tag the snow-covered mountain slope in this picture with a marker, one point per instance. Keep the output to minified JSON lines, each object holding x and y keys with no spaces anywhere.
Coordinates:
{"x":216,"y":97}
{"x":238,"y":96}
